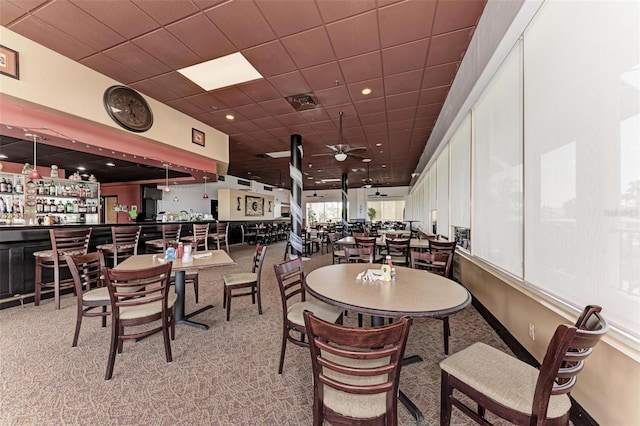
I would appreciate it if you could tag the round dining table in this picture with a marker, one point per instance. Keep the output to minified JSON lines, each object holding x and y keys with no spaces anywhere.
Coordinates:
{"x":414,"y":293}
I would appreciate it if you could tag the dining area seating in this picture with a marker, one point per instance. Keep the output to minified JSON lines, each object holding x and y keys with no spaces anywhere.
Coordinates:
{"x":124,"y":244}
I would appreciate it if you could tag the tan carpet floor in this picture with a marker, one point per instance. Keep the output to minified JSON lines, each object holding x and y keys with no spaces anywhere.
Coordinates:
{"x":226,"y":375}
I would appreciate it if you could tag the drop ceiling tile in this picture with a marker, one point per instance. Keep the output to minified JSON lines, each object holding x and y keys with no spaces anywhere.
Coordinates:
{"x":323,"y":76}
{"x":440,"y":75}
{"x":259,"y":90}
{"x":107,"y":66}
{"x":185,"y":106}
{"x":166,"y":12}
{"x":268,"y":123}
{"x":405,"y":21}
{"x":435,"y":95}
{"x":405,"y":57}
{"x":432,"y":110}
{"x":449,"y":47}
{"x":122,"y":16}
{"x":162,"y":45}
{"x":339,"y":9}
{"x":370,"y":106}
{"x":314,"y":115}
{"x":252,"y":111}
{"x":288,"y":17}
{"x":134,"y":57}
{"x":153,"y":90}
{"x":301,"y":129}
{"x":9,"y":12}
{"x":404,"y":100}
{"x":458,"y":14}
{"x":277,"y":107}
{"x":376,"y":85}
{"x":280,"y":132}
{"x":47,"y":35}
{"x":206,"y":101}
{"x":404,"y":82}
{"x":371,"y":119}
{"x":400,"y":115}
{"x":333,"y":96}
{"x":254,"y":29}
{"x":231,"y":96}
{"x":291,"y":119}
{"x":377,"y":131}
{"x":362,"y":67}
{"x":426,"y":122}
{"x":324,"y":126}
{"x":246,"y":126}
{"x":178,"y":84}
{"x":202,"y":37}
{"x":290,"y":84}
{"x":270,"y":59}
{"x":355,"y":35}
{"x":309,"y":48}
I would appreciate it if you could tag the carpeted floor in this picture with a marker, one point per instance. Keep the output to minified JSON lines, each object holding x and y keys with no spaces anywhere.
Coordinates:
{"x":226,"y":375}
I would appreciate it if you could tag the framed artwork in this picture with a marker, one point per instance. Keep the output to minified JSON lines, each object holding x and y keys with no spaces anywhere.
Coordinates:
{"x":197,"y":137}
{"x":254,"y":206}
{"x":9,"y":62}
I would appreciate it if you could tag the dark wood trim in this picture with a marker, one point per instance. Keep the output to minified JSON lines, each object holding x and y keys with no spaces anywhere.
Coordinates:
{"x":579,"y":416}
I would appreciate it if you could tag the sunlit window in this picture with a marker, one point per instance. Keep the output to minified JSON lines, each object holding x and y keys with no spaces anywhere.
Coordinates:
{"x":324,"y":212}
{"x":386,"y":210}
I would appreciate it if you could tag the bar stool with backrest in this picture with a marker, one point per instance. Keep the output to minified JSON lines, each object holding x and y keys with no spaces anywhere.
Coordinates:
{"x":514,"y":390}
{"x":440,"y":264}
{"x":124,"y":244}
{"x":221,"y":234}
{"x":290,"y":277}
{"x":63,"y":242}
{"x":169,"y":233}
{"x":356,"y":371}
{"x":249,"y":281}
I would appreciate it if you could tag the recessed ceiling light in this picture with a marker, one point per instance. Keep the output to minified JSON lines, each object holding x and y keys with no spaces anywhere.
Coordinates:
{"x":3,"y":156}
{"x":384,"y":165}
{"x":229,"y":117}
{"x":111,"y":165}
{"x":366,"y":160}
{"x":378,"y":144}
{"x":309,"y":177}
{"x":366,"y":91}
{"x":221,"y":72}
{"x":81,"y":168}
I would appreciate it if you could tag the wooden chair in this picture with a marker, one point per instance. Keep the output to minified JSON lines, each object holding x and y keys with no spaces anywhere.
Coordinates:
{"x":514,"y":390}
{"x":124,"y":244}
{"x":245,"y":280}
{"x":399,"y":250}
{"x":436,"y":263}
{"x":369,"y":242}
{"x":290,"y":276}
{"x":150,"y":302}
{"x":200,"y":236}
{"x":448,"y":247}
{"x":356,"y":371}
{"x":359,"y":255}
{"x":425,"y":236}
{"x":169,"y":233}
{"x":359,"y":234}
{"x":336,"y":252}
{"x":91,"y":293}
{"x":63,"y":242}
{"x":221,"y":234}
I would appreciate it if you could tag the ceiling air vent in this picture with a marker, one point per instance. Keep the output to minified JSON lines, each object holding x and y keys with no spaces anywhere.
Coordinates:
{"x":302,"y":102}
{"x":244,"y":182}
{"x":268,"y":188}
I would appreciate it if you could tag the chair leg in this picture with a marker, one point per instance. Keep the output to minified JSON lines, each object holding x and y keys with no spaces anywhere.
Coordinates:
{"x":446,"y":331}
{"x":360,"y":320}
{"x":259,"y":301}
{"x":166,"y":325}
{"x":228,"y":291}
{"x":76,"y":333}
{"x":112,"y":351}
{"x":224,"y":296}
{"x":445,"y":399}
{"x":56,"y":285}
{"x":283,"y":349}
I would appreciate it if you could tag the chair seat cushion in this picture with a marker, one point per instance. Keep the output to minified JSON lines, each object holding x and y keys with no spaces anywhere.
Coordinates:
{"x":240,"y":278}
{"x":109,"y":247}
{"x":159,"y":242}
{"x":102,"y":293}
{"x":501,"y":377}
{"x":355,"y":405}
{"x":141,"y":311}
{"x":320,"y":309}
{"x":339,"y":253}
{"x":61,"y":253}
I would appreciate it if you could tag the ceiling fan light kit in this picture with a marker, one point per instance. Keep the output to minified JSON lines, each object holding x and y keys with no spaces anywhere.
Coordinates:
{"x":340,"y":156}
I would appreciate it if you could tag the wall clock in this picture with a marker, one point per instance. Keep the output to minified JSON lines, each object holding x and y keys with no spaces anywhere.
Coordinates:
{"x":128,"y":108}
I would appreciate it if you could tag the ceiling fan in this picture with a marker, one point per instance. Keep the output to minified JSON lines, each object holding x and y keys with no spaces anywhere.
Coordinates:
{"x":315,"y":194}
{"x":377,"y":194}
{"x":341,"y":151}
{"x":367,"y":181}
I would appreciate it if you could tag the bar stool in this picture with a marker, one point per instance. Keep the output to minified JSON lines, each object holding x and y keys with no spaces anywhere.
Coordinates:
{"x":63,"y":242}
{"x":124,"y":243}
{"x":222,"y":234}
{"x":169,"y":233}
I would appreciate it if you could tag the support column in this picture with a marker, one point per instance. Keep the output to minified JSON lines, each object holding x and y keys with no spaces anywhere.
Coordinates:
{"x":345,"y":205}
{"x":295,"y":171}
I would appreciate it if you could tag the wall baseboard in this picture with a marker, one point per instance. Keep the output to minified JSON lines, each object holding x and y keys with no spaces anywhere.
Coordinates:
{"x":578,"y":415}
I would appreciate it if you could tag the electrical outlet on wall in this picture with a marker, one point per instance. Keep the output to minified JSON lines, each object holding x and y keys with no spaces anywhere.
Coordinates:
{"x":532,"y":331}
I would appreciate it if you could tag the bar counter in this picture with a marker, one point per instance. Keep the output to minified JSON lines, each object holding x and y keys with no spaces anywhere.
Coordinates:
{"x":19,"y":242}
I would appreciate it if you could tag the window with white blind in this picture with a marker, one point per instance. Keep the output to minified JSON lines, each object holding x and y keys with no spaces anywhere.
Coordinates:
{"x":460,"y":172}
{"x":442,"y":172}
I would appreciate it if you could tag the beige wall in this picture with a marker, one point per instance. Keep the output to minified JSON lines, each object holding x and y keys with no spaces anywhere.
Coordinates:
{"x":608,"y":388}
{"x":228,"y":205}
{"x":57,"y":83}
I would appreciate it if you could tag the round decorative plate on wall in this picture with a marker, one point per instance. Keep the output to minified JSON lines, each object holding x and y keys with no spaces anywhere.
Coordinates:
{"x":128,"y":108}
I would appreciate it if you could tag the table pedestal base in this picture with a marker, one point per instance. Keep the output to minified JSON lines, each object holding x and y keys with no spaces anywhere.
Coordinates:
{"x":186,"y":321}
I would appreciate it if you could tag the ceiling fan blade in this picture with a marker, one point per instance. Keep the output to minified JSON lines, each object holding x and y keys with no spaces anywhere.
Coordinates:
{"x":322,"y":155}
{"x":357,"y":156}
{"x":357,"y":148}
{"x":336,"y":148}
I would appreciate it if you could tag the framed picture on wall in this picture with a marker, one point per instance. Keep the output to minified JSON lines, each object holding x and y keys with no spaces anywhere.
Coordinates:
{"x":197,"y":137}
{"x":254,"y":206}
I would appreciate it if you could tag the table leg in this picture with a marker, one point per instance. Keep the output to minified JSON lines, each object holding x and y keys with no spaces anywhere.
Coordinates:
{"x":404,"y":399}
{"x":181,"y":318}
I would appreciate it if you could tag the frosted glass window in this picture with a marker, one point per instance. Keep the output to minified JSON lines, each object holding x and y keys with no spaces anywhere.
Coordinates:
{"x":497,"y":227}
{"x":460,"y":152}
{"x":582,"y":153}
{"x":443,"y":192}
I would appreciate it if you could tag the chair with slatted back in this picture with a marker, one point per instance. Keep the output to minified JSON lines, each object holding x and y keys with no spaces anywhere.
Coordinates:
{"x":449,"y":247}
{"x":398,"y":250}
{"x":337,"y":253}
{"x":436,"y":263}
{"x":290,"y":277}
{"x":359,"y":255}
{"x":200,"y":236}
{"x":221,"y":234}
{"x":514,"y":390}
{"x":247,"y":282}
{"x":124,"y":244}
{"x":91,"y":292}
{"x":368,"y":242}
{"x":151,"y":302}
{"x":169,"y":233}
{"x":356,"y":371}
{"x":63,"y":242}
{"x":425,"y":236}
